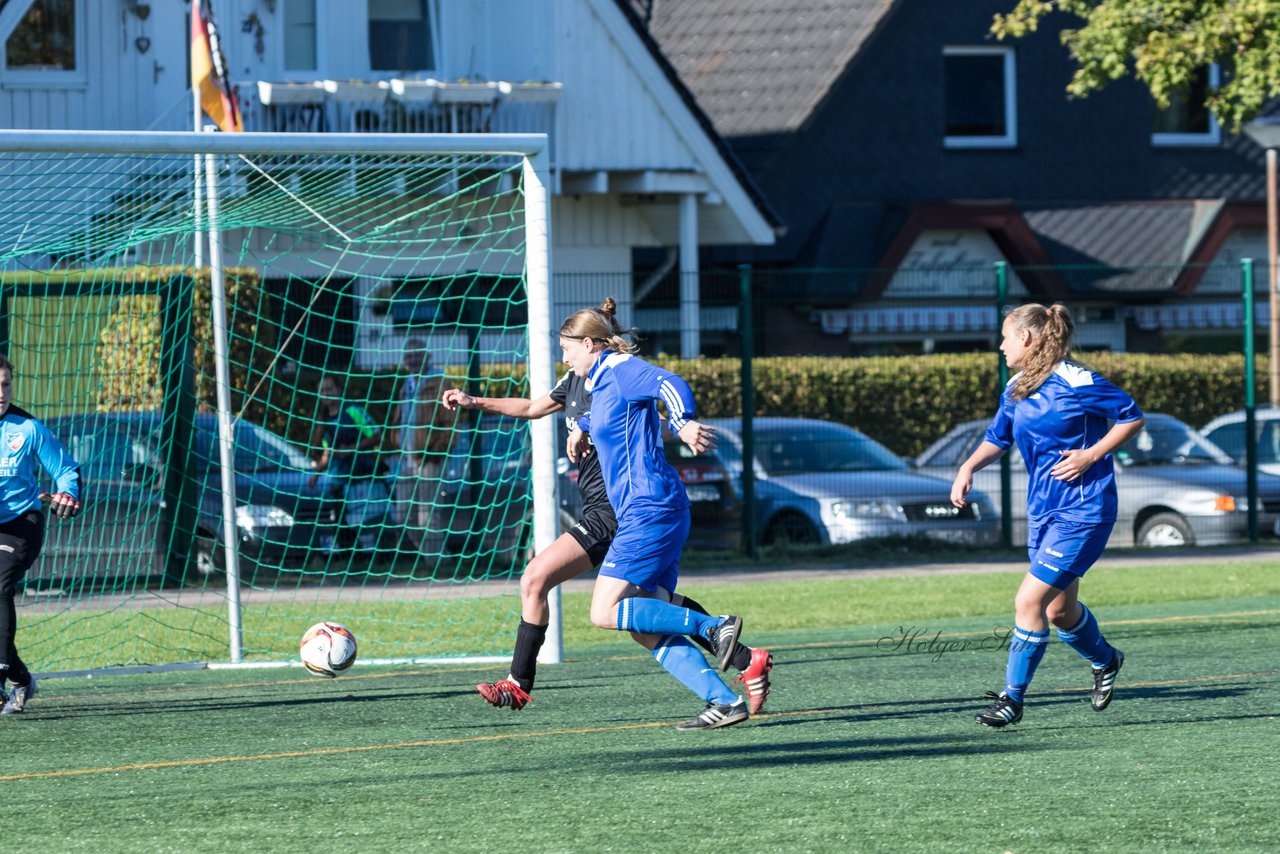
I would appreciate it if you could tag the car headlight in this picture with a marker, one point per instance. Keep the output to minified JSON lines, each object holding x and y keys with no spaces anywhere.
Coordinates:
{"x":868,"y":510}
{"x":1209,"y":503}
{"x":253,"y":516}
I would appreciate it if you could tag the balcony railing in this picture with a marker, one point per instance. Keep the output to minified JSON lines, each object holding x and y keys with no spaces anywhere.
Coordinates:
{"x":389,"y":106}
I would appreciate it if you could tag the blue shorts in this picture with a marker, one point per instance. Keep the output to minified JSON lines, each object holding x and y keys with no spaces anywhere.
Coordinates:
{"x":1061,"y":552}
{"x":646,"y":549}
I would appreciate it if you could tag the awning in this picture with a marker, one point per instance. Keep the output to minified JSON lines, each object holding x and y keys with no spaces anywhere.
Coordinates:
{"x":721,"y":318}
{"x":1198,"y":315}
{"x":909,"y":318}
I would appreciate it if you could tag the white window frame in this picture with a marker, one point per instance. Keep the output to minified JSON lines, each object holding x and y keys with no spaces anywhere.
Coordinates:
{"x":1009,"y":139}
{"x":1209,"y":139}
{"x":78,"y":78}
{"x":434,"y":25}
{"x":319,"y":72}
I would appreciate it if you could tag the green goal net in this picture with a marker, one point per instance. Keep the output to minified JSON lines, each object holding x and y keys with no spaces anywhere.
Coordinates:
{"x":333,"y":295}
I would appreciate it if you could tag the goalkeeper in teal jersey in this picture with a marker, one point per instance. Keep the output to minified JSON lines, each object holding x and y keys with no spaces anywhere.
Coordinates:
{"x":1066,"y":420}
{"x":25,"y":446}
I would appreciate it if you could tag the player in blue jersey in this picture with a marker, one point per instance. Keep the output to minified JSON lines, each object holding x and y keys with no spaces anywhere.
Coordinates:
{"x":27,"y":446}
{"x":578,"y":550}
{"x":638,"y":577}
{"x":1066,"y":421}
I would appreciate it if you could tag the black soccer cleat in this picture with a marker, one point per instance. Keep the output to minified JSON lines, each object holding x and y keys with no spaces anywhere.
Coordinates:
{"x":724,"y":639}
{"x":1104,"y":682}
{"x":1002,"y":712}
{"x":717,"y":715}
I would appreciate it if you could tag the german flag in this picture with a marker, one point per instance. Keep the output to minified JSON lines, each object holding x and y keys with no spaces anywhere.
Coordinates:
{"x":209,"y":70}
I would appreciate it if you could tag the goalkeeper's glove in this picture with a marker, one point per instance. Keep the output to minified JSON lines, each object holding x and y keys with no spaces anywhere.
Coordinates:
{"x":63,"y":506}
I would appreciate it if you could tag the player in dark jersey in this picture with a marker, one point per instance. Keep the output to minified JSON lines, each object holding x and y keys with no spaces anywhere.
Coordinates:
{"x":578,"y":550}
{"x":1066,"y":420}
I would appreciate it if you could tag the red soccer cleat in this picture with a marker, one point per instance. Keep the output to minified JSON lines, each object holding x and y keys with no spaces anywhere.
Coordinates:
{"x":504,"y":694}
{"x":756,"y":679}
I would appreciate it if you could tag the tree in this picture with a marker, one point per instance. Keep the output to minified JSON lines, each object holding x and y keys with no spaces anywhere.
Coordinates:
{"x":1166,"y":44}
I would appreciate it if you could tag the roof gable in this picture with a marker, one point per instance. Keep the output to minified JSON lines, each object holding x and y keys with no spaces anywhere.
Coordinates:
{"x":761,"y":66}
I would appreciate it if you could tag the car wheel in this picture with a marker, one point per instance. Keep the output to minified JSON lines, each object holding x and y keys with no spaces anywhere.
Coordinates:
{"x":206,"y":557}
{"x":791,"y":528}
{"x":1165,"y":530}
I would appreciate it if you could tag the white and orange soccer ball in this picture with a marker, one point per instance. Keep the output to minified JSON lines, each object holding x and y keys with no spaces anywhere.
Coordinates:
{"x":328,"y":649}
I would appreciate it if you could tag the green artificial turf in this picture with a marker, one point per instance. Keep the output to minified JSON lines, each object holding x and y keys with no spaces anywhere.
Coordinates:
{"x":405,"y":629}
{"x":867,"y":743}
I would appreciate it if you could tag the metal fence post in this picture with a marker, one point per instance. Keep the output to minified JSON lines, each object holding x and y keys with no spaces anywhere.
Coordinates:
{"x":1250,"y":404}
{"x":746,"y":331}
{"x":1002,"y":371}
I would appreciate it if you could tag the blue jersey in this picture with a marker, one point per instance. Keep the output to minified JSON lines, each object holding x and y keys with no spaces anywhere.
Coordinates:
{"x":24,"y":441}
{"x":1072,"y":410}
{"x":627,"y":431}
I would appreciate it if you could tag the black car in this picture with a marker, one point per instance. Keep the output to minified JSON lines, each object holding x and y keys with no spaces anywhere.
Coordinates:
{"x":128,"y":529}
{"x":715,"y":505}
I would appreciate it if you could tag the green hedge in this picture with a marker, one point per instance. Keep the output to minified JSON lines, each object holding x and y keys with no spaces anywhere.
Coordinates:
{"x":904,"y":402}
{"x":907,"y":402}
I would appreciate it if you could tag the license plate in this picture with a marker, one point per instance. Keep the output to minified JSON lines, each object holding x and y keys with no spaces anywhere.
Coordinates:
{"x":703,"y":493}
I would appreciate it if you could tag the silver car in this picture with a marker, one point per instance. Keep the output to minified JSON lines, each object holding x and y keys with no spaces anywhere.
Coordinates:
{"x":1227,"y":432}
{"x":819,"y":482}
{"x":1175,"y":488}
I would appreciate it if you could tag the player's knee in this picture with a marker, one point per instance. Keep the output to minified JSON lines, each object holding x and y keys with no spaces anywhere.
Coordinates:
{"x":1027,"y":604}
{"x":604,"y":616}
{"x":533,"y":583}
{"x":1062,"y":614}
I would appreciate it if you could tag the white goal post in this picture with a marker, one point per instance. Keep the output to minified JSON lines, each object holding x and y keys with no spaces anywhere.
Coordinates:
{"x":57,"y":228}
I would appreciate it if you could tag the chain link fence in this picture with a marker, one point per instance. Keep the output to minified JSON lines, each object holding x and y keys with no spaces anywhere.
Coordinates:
{"x":868,"y":388}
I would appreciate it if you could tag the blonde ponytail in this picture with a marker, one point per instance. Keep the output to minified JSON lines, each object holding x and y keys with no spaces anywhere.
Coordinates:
{"x":1051,"y":330}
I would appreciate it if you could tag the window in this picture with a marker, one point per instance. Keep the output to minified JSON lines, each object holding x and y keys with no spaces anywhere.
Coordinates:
{"x":1187,"y":121}
{"x":300,"y":35}
{"x":979,"y":97}
{"x":43,"y":42}
{"x":400,"y":36}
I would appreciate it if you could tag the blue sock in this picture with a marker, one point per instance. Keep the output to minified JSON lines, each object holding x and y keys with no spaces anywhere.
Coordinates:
{"x":655,"y":617}
{"x":1025,"y":651}
{"x":684,"y":661}
{"x":1086,"y":638}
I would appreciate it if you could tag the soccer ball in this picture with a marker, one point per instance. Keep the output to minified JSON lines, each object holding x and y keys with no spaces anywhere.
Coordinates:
{"x":328,"y":649}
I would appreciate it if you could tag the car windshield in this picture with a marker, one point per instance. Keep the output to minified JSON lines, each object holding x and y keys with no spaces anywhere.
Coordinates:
{"x":821,"y":448}
{"x":1167,"y":441}
{"x":256,"y":449}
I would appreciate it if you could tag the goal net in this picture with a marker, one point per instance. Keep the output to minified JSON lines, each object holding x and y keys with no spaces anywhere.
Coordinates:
{"x":242,"y":339}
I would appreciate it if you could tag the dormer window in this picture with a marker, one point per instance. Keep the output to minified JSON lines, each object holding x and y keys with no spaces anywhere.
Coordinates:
{"x":1187,"y":121}
{"x":979,"y":97}
{"x":43,"y":42}
{"x":400,"y":36}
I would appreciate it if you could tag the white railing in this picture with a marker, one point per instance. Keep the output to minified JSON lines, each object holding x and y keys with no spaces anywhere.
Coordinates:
{"x":400,"y":106}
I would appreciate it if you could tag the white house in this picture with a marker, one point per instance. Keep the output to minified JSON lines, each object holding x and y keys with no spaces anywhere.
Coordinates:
{"x":634,"y":161}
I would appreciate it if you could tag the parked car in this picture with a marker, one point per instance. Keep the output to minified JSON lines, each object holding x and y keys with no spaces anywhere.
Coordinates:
{"x":1175,"y":488}
{"x":1227,"y":432}
{"x":486,"y":500}
{"x":818,"y":482}
{"x":715,"y":503}
{"x":280,"y":513}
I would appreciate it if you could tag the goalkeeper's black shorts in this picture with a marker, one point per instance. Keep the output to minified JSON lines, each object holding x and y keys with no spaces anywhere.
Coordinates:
{"x":595,"y":532}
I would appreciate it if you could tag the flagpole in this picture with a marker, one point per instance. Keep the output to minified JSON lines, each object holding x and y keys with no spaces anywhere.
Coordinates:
{"x":199,"y":186}
{"x":197,"y":126}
